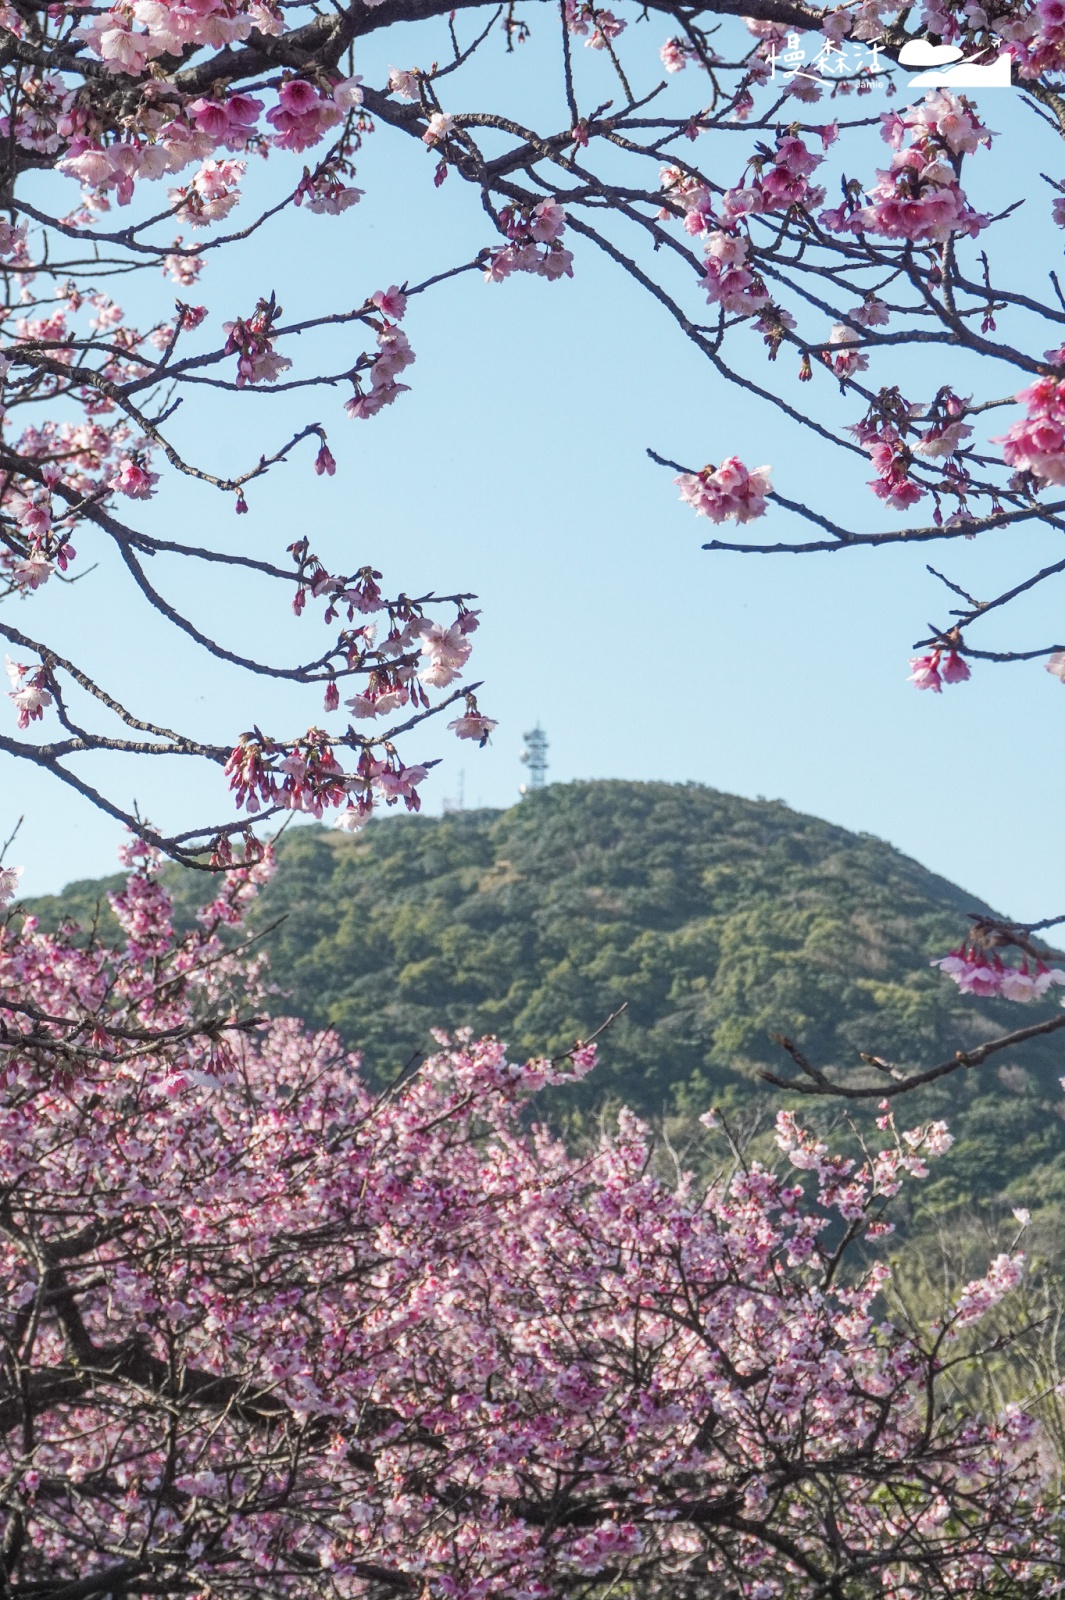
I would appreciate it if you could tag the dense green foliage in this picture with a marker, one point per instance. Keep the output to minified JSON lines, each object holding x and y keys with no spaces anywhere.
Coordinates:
{"x":715,"y":920}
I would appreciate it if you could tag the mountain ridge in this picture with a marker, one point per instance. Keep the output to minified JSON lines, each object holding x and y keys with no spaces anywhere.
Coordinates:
{"x":716,"y":920}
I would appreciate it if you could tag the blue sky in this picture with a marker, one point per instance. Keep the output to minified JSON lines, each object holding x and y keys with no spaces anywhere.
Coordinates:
{"x":516,"y":468}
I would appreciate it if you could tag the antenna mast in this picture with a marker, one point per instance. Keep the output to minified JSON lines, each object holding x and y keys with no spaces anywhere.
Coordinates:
{"x":534,"y":756}
{"x":452,"y":805}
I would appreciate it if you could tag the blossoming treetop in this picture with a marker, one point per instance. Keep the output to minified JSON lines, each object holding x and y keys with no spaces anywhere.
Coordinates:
{"x":265,"y":1330}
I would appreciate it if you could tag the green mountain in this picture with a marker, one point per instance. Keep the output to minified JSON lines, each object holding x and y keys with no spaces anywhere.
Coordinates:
{"x":716,"y":921}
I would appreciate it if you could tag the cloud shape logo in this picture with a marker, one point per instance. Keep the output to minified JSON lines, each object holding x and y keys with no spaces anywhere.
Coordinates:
{"x":968,"y":75}
{"x":919,"y":53}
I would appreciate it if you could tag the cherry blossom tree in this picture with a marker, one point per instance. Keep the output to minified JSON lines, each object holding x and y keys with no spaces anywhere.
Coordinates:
{"x":711,"y":169}
{"x":264,"y":1330}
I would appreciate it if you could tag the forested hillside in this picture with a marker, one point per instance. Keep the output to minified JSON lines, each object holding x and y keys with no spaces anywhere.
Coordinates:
{"x":715,"y":920}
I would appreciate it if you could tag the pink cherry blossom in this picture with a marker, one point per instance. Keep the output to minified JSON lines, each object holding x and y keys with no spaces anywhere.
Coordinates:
{"x":847,"y":362}
{"x":472,"y":725}
{"x":729,"y":282}
{"x":362,"y":406}
{"x":134,"y":480}
{"x":352,"y":819}
{"x":401,"y":783}
{"x":925,"y":672}
{"x":298,"y":97}
{"x":347,"y":94}
{"x":28,"y":692}
{"x":32,"y":572}
{"x":404,"y":84}
{"x":548,"y":222}
{"x":942,"y":439}
{"x":872,"y":313}
{"x":893,"y":461}
{"x":674,"y":55}
{"x":1037,"y":445}
{"x":448,"y":650}
{"x":978,"y":971}
{"x":981,"y":1295}
{"x":726,"y":492}
{"x":302,"y":115}
{"x":325,"y":194}
{"x":441,"y":126}
{"x":392,"y":301}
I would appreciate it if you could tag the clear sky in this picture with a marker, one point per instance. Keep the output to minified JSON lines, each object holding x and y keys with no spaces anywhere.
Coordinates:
{"x":516,"y":468}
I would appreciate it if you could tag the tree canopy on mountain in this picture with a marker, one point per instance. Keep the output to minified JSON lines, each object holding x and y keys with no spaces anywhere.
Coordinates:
{"x":716,"y":922}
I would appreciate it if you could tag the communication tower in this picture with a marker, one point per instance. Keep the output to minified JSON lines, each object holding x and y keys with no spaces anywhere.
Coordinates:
{"x":457,"y":803}
{"x":534,"y":757}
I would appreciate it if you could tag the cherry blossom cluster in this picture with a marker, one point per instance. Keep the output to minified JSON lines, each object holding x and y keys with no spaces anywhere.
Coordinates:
{"x":983,"y":1294}
{"x":932,"y":671}
{"x":675,"y":54}
{"x":416,"y":655}
{"x":901,"y":437}
{"x":472,"y":723}
{"x":168,"y":138}
{"x":305,"y":775}
{"x":729,"y":282}
{"x":726,"y":492}
{"x":1033,"y":35}
{"x":981,"y":971}
{"x":265,"y":1324}
{"x":595,"y":24}
{"x":919,"y":197}
{"x":918,"y":201}
{"x":1037,"y":445}
{"x":843,"y":1185}
{"x":543,"y":225}
{"x":892,"y":459}
{"x":159,"y":133}
{"x":398,"y":670}
{"x":72,"y":462}
{"x":251,"y":342}
{"x":770,"y":185}
{"x":395,"y":356}
{"x":29,"y":692}
{"x":74,"y":470}
{"x":324,"y":191}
